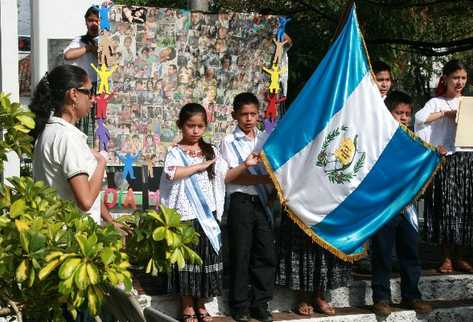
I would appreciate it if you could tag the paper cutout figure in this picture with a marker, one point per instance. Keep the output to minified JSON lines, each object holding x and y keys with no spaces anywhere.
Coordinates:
{"x":273,"y":101}
{"x":279,"y":50}
{"x":269,"y":125}
{"x":104,"y":13}
{"x":150,"y":159}
{"x":128,"y":160}
{"x":154,"y":196}
{"x":105,"y":50}
{"x":101,"y":105}
{"x":282,"y":28}
{"x":103,"y":135}
{"x":129,"y":201}
{"x":274,"y":72}
{"x":104,"y":74}
{"x":114,"y":193}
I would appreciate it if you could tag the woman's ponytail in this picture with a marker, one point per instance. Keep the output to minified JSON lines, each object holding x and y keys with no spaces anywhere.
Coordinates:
{"x":41,"y":106}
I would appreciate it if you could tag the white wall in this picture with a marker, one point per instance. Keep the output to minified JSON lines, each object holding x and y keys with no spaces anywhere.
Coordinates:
{"x":9,"y":68}
{"x":9,"y":48}
{"x":54,"y":19}
{"x":24,"y":17}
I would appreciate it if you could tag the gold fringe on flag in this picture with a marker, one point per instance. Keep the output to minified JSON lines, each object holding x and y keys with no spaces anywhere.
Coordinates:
{"x":306,"y":229}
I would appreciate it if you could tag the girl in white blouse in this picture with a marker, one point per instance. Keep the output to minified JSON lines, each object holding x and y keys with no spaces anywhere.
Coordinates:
{"x":448,"y":206}
{"x":193,"y":183}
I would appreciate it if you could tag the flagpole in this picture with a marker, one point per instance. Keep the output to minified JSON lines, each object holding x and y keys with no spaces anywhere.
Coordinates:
{"x":343,"y":18}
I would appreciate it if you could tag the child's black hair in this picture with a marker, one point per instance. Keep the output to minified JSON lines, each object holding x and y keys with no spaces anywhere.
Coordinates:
{"x":188,"y":111}
{"x":91,"y":11}
{"x":395,"y":98}
{"x":380,"y":66}
{"x":244,"y":99}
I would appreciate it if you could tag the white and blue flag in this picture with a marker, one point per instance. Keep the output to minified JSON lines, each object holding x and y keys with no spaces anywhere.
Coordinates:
{"x":340,"y":162}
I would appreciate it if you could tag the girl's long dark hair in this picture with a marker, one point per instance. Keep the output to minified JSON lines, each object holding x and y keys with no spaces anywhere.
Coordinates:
{"x":49,"y":95}
{"x":188,"y":111}
{"x":449,"y":68}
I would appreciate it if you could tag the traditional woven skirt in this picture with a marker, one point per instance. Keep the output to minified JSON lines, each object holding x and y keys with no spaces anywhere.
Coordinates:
{"x":448,"y":215}
{"x":199,"y":281}
{"x":305,"y":266}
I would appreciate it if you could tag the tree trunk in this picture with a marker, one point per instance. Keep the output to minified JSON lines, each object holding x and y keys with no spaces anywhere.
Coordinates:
{"x":199,"y":5}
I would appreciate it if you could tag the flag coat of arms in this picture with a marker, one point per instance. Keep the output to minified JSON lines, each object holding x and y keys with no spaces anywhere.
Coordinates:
{"x":342,"y":165}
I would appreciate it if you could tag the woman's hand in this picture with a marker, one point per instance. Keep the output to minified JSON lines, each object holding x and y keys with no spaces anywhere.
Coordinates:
{"x":122,"y":229}
{"x":252,"y":160}
{"x":98,"y":156}
{"x":442,"y":150}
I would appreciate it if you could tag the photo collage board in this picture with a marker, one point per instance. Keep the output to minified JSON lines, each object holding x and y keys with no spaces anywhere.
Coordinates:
{"x":165,"y":58}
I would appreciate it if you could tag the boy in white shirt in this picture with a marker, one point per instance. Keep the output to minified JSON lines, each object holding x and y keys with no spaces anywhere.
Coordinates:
{"x":252,"y":250}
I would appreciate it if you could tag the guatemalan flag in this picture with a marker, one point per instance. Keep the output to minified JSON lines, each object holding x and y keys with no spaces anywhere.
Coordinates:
{"x":340,"y":162}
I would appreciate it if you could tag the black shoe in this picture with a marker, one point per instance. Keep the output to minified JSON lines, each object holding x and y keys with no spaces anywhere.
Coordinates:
{"x":241,"y":315}
{"x":382,"y":308}
{"x":261,"y":314}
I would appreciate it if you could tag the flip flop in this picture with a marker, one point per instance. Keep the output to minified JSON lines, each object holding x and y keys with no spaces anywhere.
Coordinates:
{"x":189,"y":317}
{"x":325,"y":308}
{"x":204,"y":317}
{"x":446,"y":267}
{"x":463,"y":266}
{"x":305,"y":309}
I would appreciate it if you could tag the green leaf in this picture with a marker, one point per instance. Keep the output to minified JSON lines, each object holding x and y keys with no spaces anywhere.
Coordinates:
{"x":180,"y":259}
{"x":46,"y":270}
{"x":27,"y":121}
{"x":17,"y":208}
{"x":37,"y":240}
{"x":159,"y":233}
{"x":82,"y":241}
{"x":107,"y":255}
{"x":22,"y":271}
{"x":24,"y":241}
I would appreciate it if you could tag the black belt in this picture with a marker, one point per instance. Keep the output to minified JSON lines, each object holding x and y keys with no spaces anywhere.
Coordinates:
{"x":252,"y":198}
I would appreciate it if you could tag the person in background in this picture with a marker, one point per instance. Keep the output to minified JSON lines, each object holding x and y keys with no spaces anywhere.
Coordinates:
{"x":383,"y":77}
{"x":448,"y":207}
{"x":402,"y":231}
{"x":82,"y":51}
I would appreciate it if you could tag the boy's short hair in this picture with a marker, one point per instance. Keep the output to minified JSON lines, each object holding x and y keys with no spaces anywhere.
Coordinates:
{"x":91,"y":11}
{"x":244,"y":99}
{"x":395,"y":98}
{"x":380,"y":66}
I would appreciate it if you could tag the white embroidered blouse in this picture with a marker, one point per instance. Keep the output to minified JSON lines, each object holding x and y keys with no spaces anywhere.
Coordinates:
{"x":441,"y":131}
{"x":173,"y":194}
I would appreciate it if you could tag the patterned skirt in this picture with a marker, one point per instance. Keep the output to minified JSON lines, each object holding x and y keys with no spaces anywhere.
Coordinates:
{"x":305,"y":266}
{"x":448,"y":215}
{"x":199,"y":281}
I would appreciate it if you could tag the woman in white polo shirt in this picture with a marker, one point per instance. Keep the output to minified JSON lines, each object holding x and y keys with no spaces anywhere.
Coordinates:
{"x":61,"y":157}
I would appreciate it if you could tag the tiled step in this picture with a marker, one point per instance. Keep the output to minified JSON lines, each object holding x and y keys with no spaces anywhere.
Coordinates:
{"x":453,"y":287}
{"x":443,"y":311}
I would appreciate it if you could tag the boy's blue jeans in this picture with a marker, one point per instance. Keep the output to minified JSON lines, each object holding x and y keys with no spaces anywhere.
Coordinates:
{"x":400,"y":232}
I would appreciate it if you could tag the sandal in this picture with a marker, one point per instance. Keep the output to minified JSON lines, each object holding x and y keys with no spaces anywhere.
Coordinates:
{"x":324,"y":308}
{"x":463,"y":266}
{"x":304,"y":309}
{"x":446,"y":267}
{"x":189,"y":317}
{"x":204,"y":317}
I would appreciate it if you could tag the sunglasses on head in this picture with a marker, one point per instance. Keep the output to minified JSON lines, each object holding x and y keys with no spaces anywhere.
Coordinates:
{"x":86,"y":91}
